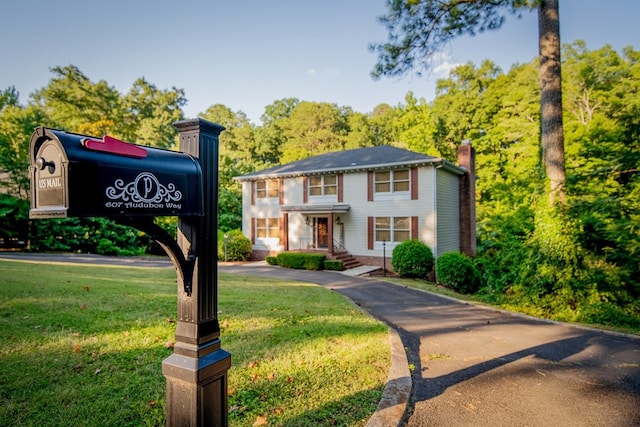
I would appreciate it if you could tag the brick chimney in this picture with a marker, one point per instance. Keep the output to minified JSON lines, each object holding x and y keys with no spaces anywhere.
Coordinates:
{"x":466,"y":160}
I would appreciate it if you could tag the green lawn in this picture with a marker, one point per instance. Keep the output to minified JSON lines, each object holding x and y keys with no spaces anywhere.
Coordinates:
{"x":83,"y":346}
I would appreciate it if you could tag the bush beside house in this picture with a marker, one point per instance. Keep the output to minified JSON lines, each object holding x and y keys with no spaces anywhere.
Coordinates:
{"x":457,"y":271}
{"x":236,"y":248}
{"x":413,"y":259}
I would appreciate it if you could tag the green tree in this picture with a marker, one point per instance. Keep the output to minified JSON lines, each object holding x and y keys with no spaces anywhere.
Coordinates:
{"x":418,"y":29}
{"x":507,"y":142}
{"x":360,"y":131}
{"x":415,"y":128}
{"x":603,"y":131}
{"x":380,"y":127}
{"x":16,"y":126}
{"x":238,"y":139}
{"x":314,"y":128}
{"x":460,"y":108}
{"x":384,"y":125}
{"x":9,"y":96}
{"x":237,"y":156}
{"x":580,"y":264}
{"x":72,"y":102}
{"x":270,"y":136}
{"x":150,"y":113}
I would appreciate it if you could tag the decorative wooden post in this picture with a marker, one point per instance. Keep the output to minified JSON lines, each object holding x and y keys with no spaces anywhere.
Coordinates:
{"x":196,"y":372}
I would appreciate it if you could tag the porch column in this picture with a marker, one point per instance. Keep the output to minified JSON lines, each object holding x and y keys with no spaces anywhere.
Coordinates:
{"x":330,"y":233}
{"x":285,"y":231}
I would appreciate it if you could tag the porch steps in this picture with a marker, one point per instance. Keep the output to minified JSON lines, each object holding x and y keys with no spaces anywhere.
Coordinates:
{"x":348,"y":261}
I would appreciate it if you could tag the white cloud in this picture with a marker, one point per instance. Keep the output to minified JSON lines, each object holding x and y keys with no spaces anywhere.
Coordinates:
{"x":442,"y":63}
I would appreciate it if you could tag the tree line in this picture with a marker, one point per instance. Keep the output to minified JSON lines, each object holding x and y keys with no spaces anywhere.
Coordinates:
{"x":583,"y":268}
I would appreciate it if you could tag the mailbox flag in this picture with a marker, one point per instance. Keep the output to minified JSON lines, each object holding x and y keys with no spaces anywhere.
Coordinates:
{"x":115,"y":146}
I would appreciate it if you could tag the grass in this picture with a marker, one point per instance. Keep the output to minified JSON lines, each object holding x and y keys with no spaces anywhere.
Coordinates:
{"x":83,"y":346}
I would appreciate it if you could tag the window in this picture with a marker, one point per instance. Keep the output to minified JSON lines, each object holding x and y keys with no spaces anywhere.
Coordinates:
{"x":383,"y":229}
{"x":401,"y":181}
{"x":401,"y":229}
{"x":267,"y":228}
{"x":394,"y":181}
{"x":266,"y":189}
{"x":392,"y":229}
{"x":323,"y":185}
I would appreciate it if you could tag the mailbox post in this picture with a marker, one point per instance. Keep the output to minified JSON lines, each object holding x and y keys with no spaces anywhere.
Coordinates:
{"x":196,"y":373}
{"x":75,"y":175}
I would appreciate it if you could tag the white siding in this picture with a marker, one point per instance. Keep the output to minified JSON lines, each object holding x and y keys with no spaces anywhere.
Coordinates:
{"x":448,"y":202}
{"x":292,"y":191}
{"x":355,"y":222}
{"x":300,"y":234}
{"x":266,"y":208}
{"x":428,"y":220}
{"x":246,"y":209}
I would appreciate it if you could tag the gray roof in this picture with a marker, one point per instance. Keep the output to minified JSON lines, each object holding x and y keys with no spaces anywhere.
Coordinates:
{"x":382,"y":156}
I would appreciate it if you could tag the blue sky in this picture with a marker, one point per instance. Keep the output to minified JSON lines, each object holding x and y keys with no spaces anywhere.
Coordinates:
{"x":246,"y":54}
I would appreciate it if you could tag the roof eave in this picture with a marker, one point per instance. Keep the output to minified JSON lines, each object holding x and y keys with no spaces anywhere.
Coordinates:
{"x":316,"y":209}
{"x":450,"y":167}
{"x":388,"y":165}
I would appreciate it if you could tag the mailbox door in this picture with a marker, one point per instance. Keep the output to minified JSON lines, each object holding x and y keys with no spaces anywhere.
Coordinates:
{"x":49,"y":182}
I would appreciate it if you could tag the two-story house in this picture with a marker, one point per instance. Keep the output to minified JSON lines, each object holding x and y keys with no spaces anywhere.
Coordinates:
{"x":364,"y":201}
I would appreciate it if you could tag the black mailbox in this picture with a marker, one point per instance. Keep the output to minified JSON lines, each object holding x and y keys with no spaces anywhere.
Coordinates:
{"x":76,"y":175}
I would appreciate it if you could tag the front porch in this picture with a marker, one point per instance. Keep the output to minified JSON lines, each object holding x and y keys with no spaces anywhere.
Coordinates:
{"x":314,"y":228}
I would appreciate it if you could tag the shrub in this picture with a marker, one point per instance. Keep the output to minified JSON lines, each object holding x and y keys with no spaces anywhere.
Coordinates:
{"x":238,"y":247}
{"x":271,"y":260}
{"x":301,"y":260}
{"x":14,"y":218}
{"x":87,"y":235}
{"x":333,"y":264}
{"x":314,"y":261}
{"x":412,"y":258}
{"x":458,"y":272}
{"x":290,"y":260}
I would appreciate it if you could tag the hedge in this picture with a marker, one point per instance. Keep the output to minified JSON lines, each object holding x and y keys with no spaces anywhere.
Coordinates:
{"x":271,"y":260}
{"x":301,"y":260}
{"x":333,"y":264}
